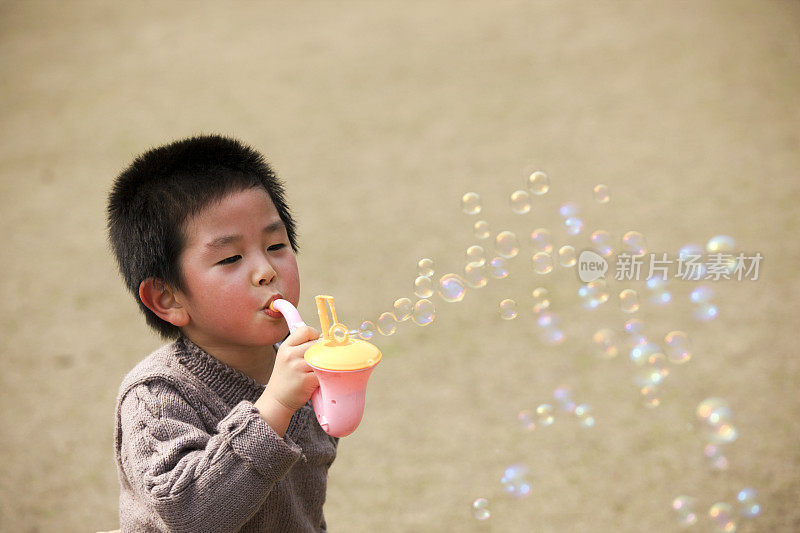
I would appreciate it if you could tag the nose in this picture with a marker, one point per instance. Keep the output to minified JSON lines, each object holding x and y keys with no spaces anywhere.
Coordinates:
{"x":263,"y":272}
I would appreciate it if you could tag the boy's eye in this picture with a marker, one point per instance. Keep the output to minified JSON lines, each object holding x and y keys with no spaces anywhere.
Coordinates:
{"x":230,"y":260}
{"x":276,"y":247}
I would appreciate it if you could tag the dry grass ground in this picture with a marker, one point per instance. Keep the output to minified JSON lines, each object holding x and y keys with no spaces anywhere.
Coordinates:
{"x":379,"y":116}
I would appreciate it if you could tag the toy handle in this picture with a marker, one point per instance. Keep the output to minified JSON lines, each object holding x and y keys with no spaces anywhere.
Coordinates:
{"x":289,"y":313}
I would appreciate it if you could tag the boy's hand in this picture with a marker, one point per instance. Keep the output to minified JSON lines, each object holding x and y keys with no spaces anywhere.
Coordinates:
{"x":292,"y":381}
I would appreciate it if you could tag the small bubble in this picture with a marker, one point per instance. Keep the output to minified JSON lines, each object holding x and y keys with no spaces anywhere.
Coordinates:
{"x":475,"y":276}
{"x":683,"y":506}
{"x":716,"y":457}
{"x":629,"y":300}
{"x":524,"y":417}
{"x":367,"y":330}
{"x":481,"y":229}
{"x":748,"y":506}
{"x":720,"y":244}
{"x":480,"y":509}
{"x":515,"y":481}
{"x":475,"y":255}
{"x":650,"y":396}
{"x":498,"y":268}
{"x":584,"y":414}
{"x":601,"y":193}
{"x":387,"y":324}
{"x":634,"y":243}
{"x":677,"y":343}
{"x":722,"y":517}
{"x":508,"y":309}
{"x":606,"y":341}
{"x":690,"y":259}
{"x":544,"y":413}
{"x":717,"y":420}
{"x":520,"y":202}
{"x":506,"y":244}
{"x":339,"y":333}
{"x":538,"y":183}
{"x":541,"y":299}
{"x":403,"y":308}
{"x":563,"y":395}
{"x":573,"y":225}
{"x":542,"y":263}
{"x":706,"y":312}
{"x":569,"y":209}
{"x":642,"y":352}
{"x":452,"y":288}
{"x":567,"y":256}
{"x":702,"y":294}
{"x":471,"y":203}
{"x":424,"y":312}
{"x":659,"y":294}
{"x":425,"y":267}
{"x":542,"y":240}
{"x":423,"y":287}
{"x":593,"y":294}
{"x":603,"y":242}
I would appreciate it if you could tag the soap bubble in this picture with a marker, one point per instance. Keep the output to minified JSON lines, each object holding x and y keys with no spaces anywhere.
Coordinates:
{"x":642,"y":352}
{"x":471,"y":203}
{"x":573,"y":225}
{"x":480,"y":509}
{"x":567,"y":256}
{"x":506,"y":244}
{"x":538,"y":183}
{"x":402,"y":309}
{"x":452,"y":288}
{"x":603,"y":242}
{"x":387,"y":324}
{"x":542,"y":263}
{"x":716,"y":457}
{"x":475,"y":276}
{"x":475,"y":255}
{"x":717,"y":418}
{"x":423,"y":287}
{"x":524,"y":417}
{"x":701,"y":294}
{"x":542,"y":240}
{"x":651,"y":371}
{"x":425,"y":267}
{"x":367,"y":330}
{"x":706,"y":312}
{"x":634,"y":243}
{"x":553,"y":336}
{"x":601,"y":193}
{"x":635,"y":328}
{"x":481,"y":229}
{"x":629,"y":300}
{"x":520,"y":202}
{"x":515,"y":481}
{"x":683,"y":506}
{"x":650,"y":396}
{"x":721,"y":514}
{"x":498,"y":268}
{"x":508,"y":309}
{"x":544,"y":413}
{"x":569,"y":209}
{"x":677,"y":343}
{"x":424,"y":312}
{"x":563,"y":396}
{"x":593,"y":294}
{"x":690,"y":257}
{"x":541,"y":299}
{"x":584,"y":414}
{"x":748,"y":506}
{"x":606,"y":341}
{"x":339,"y":333}
{"x":659,"y":295}
{"x":720,"y":244}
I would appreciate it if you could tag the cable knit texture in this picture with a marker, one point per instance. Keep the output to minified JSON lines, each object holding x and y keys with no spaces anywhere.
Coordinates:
{"x":194,"y":455}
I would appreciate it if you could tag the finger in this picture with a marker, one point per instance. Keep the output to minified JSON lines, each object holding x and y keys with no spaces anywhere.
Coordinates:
{"x":302,"y":335}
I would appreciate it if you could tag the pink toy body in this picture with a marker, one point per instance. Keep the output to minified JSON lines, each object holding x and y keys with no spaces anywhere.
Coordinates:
{"x":339,"y":400}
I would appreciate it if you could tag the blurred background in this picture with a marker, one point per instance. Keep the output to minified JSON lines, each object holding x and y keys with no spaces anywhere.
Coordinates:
{"x":379,"y":117}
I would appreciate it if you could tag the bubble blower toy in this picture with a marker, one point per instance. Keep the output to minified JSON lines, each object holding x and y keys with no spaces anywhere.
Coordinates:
{"x":342,"y":365}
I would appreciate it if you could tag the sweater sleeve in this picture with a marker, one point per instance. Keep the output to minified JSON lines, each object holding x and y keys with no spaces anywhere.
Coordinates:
{"x":194,"y":478}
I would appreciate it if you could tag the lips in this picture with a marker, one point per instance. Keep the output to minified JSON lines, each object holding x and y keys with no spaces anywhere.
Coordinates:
{"x":270,"y":312}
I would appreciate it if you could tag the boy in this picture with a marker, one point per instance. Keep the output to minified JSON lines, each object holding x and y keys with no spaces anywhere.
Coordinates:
{"x":214,"y":432}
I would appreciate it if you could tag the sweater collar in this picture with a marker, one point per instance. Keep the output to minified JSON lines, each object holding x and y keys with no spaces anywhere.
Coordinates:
{"x":230,"y":384}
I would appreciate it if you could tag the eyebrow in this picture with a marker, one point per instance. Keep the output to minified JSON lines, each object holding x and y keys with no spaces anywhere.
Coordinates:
{"x":225,"y":240}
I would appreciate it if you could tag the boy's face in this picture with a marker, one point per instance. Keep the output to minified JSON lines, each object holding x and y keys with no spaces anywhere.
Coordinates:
{"x":237,"y":259}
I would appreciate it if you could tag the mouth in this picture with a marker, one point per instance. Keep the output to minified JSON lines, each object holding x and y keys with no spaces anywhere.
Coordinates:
{"x":268,"y":309}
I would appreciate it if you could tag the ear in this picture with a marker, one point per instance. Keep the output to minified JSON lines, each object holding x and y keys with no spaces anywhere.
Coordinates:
{"x":161,"y":300}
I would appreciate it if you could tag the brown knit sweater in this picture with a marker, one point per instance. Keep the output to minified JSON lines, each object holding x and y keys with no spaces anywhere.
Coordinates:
{"x":194,"y":455}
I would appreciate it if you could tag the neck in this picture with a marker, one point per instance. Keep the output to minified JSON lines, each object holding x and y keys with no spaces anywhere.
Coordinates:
{"x":255,"y":362}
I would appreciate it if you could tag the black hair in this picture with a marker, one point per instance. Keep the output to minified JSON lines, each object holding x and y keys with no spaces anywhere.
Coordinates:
{"x":152,"y":199}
